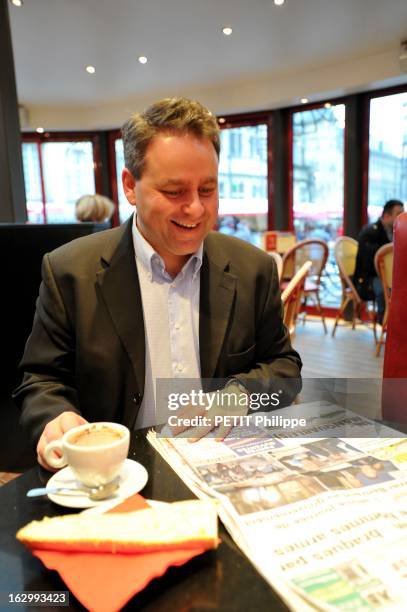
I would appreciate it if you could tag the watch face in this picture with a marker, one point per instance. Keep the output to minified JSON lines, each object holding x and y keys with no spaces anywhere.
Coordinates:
{"x":236,"y":383}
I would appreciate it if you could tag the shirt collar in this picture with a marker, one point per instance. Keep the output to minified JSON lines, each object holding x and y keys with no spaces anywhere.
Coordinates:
{"x":154,"y":263}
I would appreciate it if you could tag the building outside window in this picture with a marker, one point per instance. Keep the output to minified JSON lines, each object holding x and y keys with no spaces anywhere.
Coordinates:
{"x":243,"y":202}
{"x":318,"y":183}
{"x":125,"y":208}
{"x":387,"y":152}
{"x":32,"y":179}
{"x":65,"y":169}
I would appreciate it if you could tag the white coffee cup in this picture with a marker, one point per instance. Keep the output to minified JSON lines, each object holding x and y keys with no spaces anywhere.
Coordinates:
{"x":95,"y":452}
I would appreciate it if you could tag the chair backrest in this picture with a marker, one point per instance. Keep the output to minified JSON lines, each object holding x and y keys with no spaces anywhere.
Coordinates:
{"x":314,"y":250}
{"x":279,"y":262}
{"x":383,"y":262}
{"x":394,"y":395}
{"x":345,"y":251}
{"x":23,"y":246}
{"x":292,"y":294}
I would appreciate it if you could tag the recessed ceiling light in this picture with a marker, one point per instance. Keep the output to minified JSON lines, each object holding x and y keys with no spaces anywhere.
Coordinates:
{"x":91,"y":69}
{"x":222,"y":120}
{"x":304,"y":100}
{"x":17,"y":2}
{"x":327,"y":105}
{"x":40,"y":130}
{"x":278,"y":2}
{"x":227,"y":30}
{"x":142,"y":59}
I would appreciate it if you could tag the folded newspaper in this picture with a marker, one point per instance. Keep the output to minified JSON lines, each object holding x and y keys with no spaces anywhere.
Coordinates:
{"x":323,"y":519}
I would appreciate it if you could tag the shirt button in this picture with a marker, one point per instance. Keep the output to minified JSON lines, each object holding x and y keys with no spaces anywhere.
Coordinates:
{"x":137,"y":398}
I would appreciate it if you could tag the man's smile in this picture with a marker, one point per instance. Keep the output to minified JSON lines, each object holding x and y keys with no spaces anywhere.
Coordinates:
{"x":187,"y":226}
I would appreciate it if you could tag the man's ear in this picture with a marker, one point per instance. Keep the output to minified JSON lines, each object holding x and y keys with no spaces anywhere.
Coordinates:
{"x":129,"y":184}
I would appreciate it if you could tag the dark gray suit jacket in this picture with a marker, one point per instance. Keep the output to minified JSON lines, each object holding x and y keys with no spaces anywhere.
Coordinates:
{"x":86,"y":351}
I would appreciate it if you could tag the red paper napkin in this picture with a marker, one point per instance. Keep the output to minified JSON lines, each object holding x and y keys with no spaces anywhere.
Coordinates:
{"x":105,"y":582}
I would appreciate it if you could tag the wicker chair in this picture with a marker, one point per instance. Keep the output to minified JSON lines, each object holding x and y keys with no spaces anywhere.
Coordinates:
{"x":383,"y":262}
{"x":292,"y":295}
{"x":312,"y":250}
{"x":345,"y":251}
{"x":279,"y":262}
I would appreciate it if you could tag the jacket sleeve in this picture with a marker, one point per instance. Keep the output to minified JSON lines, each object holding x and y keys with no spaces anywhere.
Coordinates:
{"x":48,"y":364}
{"x":277,"y":366}
{"x":368,"y":246}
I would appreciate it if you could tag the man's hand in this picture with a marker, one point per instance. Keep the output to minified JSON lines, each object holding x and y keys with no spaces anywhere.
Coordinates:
{"x":229,"y":402}
{"x":54,"y":430}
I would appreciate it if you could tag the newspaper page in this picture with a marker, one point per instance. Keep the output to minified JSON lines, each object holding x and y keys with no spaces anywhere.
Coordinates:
{"x":323,"y":519}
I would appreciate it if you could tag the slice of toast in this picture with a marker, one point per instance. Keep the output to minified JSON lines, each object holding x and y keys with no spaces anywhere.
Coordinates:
{"x":180,"y":525}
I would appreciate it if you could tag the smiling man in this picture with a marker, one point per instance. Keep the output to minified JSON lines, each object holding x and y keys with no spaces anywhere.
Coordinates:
{"x":162,"y":296}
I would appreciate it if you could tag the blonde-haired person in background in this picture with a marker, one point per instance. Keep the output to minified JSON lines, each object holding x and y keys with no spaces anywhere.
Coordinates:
{"x":96,"y":208}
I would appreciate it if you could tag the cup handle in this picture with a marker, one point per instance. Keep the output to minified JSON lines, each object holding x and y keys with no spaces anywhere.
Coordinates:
{"x":51,"y":458}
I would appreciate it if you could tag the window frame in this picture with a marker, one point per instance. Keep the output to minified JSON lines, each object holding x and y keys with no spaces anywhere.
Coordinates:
{"x":40,"y":139}
{"x":290,"y":138}
{"x":368,"y":97}
{"x":112,"y":136}
{"x":250,"y":120}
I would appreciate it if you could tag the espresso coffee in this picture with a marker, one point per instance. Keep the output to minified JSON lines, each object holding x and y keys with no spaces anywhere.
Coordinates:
{"x":95,"y":452}
{"x":96,"y":437}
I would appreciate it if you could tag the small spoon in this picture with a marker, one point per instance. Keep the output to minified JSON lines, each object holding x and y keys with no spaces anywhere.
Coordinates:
{"x":94,"y":493}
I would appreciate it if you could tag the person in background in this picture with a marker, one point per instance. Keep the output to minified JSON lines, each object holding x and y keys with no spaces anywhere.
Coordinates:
{"x":96,"y":208}
{"x":233,"y":226}
{"x":371,"y":238}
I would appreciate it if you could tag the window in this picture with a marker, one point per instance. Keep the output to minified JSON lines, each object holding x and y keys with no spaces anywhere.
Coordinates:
{"x":243,"y":202}
{"x":68,"y":175}
{"x":387,"y":152}
{"x":235,"y":143}
{"x":125,"y":208}
{"x":32,"y":174}
{"x":237,"y":189}
{"x":318,"y":182}
{"x":57,"y":173}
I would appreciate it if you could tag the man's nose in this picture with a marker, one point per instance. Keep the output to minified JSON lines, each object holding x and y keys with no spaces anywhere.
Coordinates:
{"x":194,"y":205}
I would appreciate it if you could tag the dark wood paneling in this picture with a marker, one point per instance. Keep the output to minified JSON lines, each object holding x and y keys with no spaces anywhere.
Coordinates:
{"x":12,"y":189}
{"x":280,"y":171}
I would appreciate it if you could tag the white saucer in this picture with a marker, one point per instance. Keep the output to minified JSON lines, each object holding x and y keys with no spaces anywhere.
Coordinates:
{"x":133,"y":477}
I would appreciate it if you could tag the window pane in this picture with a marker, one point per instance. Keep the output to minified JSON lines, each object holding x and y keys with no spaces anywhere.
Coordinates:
{"x":318,"y":183}
{"x":32,"y":180}
{"x":387,"y":152}
{"x":68,"y":175}
{"x":243,"y":201}
{"x":125,"y":208}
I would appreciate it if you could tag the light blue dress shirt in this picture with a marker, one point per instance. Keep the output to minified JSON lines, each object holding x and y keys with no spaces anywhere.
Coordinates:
{"x":171,"y":321}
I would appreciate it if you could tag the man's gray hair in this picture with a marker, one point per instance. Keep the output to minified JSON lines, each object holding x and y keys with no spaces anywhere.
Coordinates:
{"x":170,"y":115}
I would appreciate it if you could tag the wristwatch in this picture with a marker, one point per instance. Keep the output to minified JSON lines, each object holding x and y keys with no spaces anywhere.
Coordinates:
{"x":236,"y":383}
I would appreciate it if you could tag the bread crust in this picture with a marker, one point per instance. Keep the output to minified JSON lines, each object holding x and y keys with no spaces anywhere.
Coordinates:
{"x":182,"y":525}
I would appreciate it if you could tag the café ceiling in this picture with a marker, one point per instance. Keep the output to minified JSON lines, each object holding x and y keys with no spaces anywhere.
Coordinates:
{"x":54,"y":40}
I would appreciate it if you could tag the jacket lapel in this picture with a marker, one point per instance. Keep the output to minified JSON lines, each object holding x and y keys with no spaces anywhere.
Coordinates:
{"x":217,"y":294}
{"x":120,"y":289}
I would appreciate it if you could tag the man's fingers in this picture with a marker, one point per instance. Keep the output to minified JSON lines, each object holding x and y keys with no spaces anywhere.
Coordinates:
{"x":200,"y":432}
{"x":71,"y":419}
{"x":223,"y":432}
{"x":44,"y":464}
{"x":184,"y":417}
{"x":54,"y":430}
